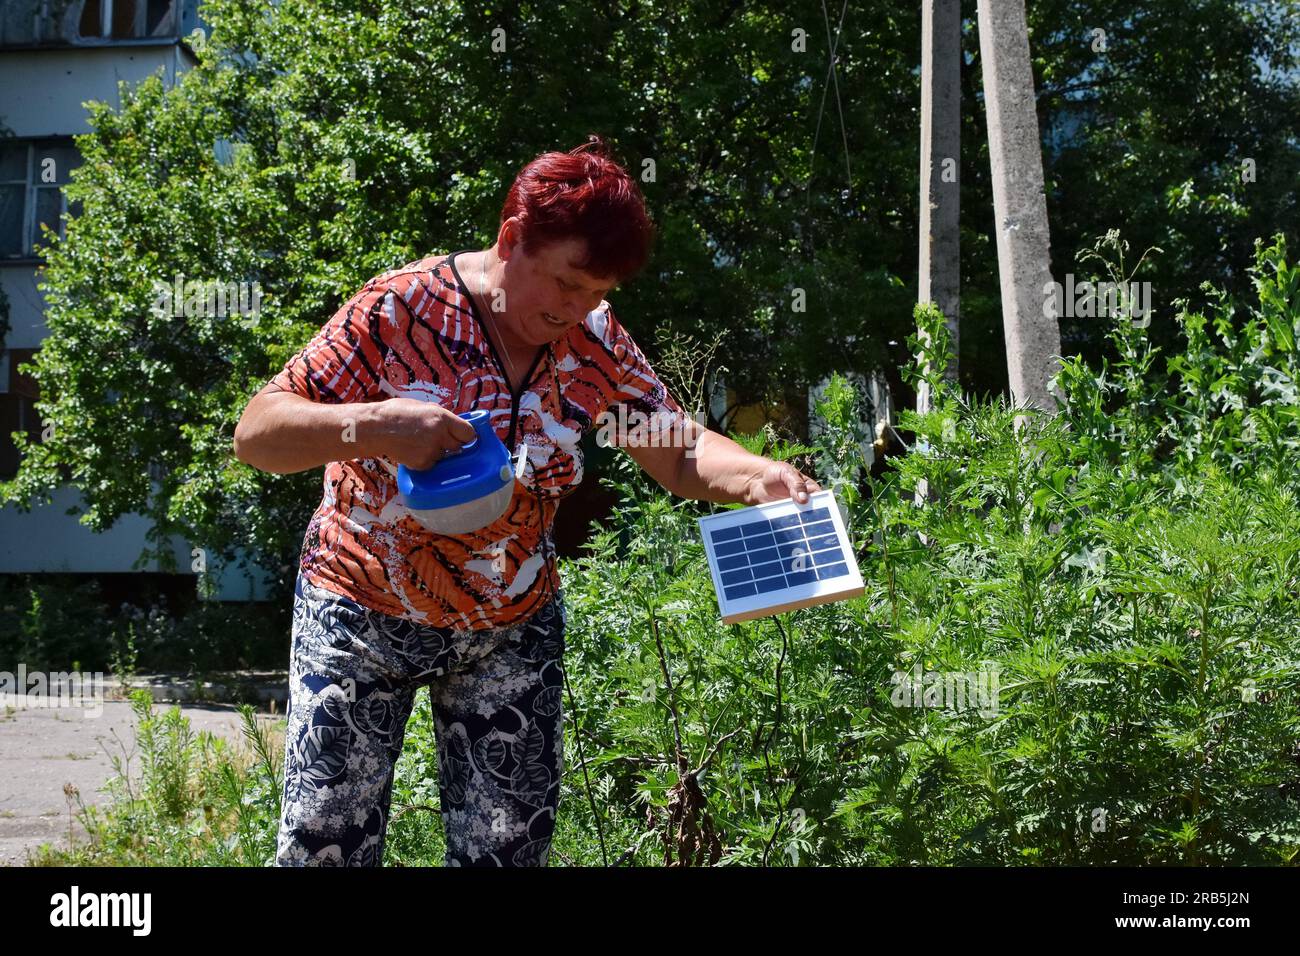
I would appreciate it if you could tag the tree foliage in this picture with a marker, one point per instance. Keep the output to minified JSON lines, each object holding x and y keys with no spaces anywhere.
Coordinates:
{"x":318,"y":143}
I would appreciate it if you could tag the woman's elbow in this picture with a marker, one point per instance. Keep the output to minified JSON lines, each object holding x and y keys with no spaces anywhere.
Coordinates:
{"x":250,"y":432}
{"x":243,"y":444}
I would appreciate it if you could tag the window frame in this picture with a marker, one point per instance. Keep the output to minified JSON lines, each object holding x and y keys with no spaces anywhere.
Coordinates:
{"x":62,"y":27}
{"x":20,"y":393}
{"x":31,"y":189}
{"x":140,"y":26}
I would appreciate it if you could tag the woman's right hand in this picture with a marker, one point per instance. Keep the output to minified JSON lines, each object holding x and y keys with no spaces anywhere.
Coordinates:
{"x":416,"y":434}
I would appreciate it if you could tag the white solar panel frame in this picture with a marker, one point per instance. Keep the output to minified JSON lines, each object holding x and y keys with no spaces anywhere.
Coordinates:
{"x":788,"y":598}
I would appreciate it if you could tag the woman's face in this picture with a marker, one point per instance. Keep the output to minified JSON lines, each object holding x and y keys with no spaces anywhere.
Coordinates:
{"x":545,"y":295}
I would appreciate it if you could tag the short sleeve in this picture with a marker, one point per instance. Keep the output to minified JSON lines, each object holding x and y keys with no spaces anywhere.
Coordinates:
{"x":344,"y":362}
{"x":637,"y":406}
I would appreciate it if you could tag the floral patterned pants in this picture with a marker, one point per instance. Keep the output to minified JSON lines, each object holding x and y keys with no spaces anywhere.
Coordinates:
{"x":496,"y":695}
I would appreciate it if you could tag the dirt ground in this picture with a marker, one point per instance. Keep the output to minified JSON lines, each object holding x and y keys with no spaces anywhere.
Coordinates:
{"x":42,"y":749}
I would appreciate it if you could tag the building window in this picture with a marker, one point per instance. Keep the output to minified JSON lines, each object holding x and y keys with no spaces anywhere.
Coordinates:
{"x":18,"y":398}
{"x":128,"y":19}
{"x":32,"y":176}
{"x":44,"y":22}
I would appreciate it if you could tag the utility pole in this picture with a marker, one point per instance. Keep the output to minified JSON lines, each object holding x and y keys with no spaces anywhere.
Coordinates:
{"x":940,"y":263}
{"x":1033,"y":340}
{"x":939,"y":273}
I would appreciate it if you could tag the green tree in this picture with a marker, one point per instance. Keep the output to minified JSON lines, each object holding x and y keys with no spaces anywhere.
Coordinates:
{"x":318,"y":143}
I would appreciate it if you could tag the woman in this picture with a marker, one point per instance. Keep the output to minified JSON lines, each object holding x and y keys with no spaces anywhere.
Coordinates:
{"x":384,"y":606}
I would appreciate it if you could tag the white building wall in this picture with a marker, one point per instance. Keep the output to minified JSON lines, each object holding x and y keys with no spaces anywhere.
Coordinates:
{"x":43,"y":89}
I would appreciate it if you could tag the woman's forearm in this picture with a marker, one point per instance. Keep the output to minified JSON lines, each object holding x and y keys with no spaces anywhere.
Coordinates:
{"x":720,"y":471}
{"x":282,"y":433}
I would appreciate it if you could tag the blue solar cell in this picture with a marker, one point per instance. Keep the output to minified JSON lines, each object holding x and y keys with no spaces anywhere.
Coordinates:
{"x":764,"y":540}
{"x":733,"y":561}
{"x":736,"y":577}
{"x":739,"y":591}
{"x":834,"y":571}
{"x":764,"y":556}
{"x":767,"y":570}
{"x":818,"y":529}
{"x":800,"y":577}
{"x":728,"y":547}
{"x":791,"y":551}
{"x":786,"y":521}
{"x":770,"y":584}
{"x":788,"y":534}
{"x":823,"y":541}
{"x":787,"y":553}
{"x":817,"y":514}
{"x":762,"y":526}
{"x":830,"y":556}
{"x":726,"y":534}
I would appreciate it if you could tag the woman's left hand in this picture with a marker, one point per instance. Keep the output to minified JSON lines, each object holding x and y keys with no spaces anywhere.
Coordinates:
{"x":778,"y":481}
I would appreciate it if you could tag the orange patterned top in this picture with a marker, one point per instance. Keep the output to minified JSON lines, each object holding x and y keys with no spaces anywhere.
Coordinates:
{"x":415,"y":333}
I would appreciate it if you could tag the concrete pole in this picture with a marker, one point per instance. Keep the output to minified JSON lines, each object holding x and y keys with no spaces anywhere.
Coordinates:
{"x":1020,"y":207}
{"x":940,"y":266}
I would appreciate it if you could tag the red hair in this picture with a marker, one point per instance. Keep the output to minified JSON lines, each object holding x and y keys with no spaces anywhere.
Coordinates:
{"x":583,"y":194}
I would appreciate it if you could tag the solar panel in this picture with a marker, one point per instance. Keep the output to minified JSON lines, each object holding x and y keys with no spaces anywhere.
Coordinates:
{"x":780,"y":556}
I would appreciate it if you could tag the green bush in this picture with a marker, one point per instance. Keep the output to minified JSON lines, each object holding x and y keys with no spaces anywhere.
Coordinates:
{"x":1128,"y":569}
{"x":182,"y":799}
{"x":51,"y":621}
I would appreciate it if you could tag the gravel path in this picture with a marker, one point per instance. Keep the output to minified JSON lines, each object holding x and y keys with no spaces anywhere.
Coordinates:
{"x":41,"y":749}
